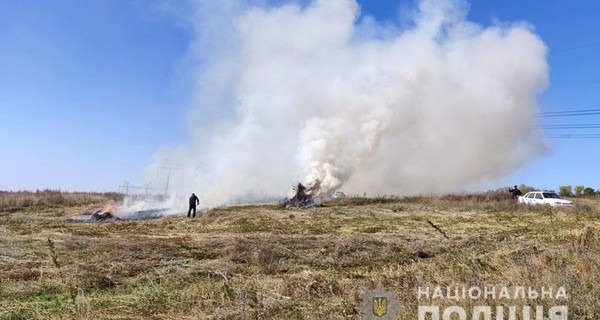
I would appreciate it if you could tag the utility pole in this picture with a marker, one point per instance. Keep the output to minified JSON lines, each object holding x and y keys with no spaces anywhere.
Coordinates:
{"x":169,"y":167}
{"x":125,"y":186}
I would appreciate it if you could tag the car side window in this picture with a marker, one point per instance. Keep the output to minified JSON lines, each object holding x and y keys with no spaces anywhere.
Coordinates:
{"x":538,"y":196}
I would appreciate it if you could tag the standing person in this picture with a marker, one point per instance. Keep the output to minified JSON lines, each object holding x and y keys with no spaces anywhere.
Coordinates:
{"x":193,"y":202}
{"x":515,"y":192}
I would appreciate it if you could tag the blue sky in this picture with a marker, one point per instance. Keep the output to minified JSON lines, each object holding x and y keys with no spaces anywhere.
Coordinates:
{"x":89,"y":90}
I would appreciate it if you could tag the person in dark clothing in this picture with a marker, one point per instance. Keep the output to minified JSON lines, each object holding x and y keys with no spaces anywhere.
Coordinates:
{"x":515,"y":192}
{"x":193,"y":202}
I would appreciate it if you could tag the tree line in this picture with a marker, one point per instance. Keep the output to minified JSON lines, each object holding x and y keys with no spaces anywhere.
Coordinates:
{"x":580,"y":190}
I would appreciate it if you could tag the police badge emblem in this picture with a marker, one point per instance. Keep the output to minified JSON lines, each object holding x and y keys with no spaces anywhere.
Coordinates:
{"x":379,"y":304}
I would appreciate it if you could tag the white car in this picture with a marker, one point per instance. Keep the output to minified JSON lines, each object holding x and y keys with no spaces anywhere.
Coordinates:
{"x":544,"y":197}
{"x":338,"y":194}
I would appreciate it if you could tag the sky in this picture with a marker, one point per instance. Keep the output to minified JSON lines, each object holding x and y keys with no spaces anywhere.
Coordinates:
{"x":90,"y":90}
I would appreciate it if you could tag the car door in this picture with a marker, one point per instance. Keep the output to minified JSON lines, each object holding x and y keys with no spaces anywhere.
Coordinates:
{"x":531,"y":198}
{"x":538,"y":198}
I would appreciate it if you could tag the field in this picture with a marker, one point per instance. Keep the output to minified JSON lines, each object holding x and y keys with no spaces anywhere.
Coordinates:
{"x":263,"y":262}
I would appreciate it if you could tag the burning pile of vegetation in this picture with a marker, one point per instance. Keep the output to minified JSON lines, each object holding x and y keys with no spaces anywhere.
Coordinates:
{"x":105,"y":215}
{"x":303,"y":197}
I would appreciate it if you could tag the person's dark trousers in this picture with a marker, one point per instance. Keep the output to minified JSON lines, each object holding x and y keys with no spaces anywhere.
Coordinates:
{"x":190,"y":210}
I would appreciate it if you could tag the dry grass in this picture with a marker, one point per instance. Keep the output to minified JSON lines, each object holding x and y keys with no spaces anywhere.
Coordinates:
{"x":262,"y":262}
{"x":33,"y":201}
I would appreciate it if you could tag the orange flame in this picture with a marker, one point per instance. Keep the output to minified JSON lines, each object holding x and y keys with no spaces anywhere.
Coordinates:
{"x":111,"y":207}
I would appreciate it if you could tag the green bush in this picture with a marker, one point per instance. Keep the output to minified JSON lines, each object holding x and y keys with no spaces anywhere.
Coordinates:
{"x":566,"y":191}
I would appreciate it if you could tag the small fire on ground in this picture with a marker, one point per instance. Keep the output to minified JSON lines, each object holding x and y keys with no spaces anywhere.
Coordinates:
{"x":107,"y":214}
{"x":113,"y":212}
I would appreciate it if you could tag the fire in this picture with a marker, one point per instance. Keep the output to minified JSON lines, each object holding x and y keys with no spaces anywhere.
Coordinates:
{"x":303,"y":197}
{"x":110,"y":207}
{"x":108,"y":213}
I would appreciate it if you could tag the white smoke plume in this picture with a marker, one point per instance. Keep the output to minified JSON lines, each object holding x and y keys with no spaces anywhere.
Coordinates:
{"x":307,"y":92}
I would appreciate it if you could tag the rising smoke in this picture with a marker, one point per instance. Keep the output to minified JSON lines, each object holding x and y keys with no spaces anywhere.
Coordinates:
{"x":306,"y":92}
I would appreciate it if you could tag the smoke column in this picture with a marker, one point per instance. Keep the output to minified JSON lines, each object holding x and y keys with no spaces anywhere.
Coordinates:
{"x":306,"y":92}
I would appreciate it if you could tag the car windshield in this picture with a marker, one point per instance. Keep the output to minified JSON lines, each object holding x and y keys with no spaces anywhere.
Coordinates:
{"x":551,"y":195}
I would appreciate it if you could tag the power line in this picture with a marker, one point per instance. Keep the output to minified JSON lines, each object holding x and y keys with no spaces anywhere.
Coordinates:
{"x":575,"y":136}
{"x":569,"y":113}
{"x":569,"y":126}
{"x":126,"y":187}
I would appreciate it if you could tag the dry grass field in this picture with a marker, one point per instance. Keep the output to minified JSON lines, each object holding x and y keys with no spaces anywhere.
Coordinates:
{"x":263,"y":262}
{"x":41,"y":200}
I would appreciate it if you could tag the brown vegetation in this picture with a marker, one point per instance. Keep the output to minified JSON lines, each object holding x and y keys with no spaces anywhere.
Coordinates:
{"x":262,"y":262}
{"x":36,"y":200}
